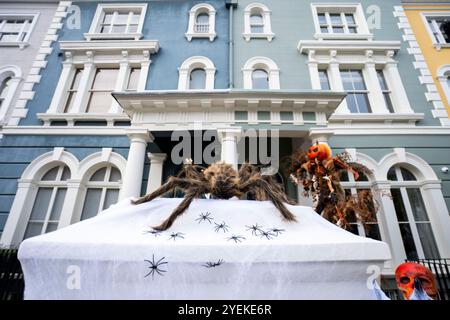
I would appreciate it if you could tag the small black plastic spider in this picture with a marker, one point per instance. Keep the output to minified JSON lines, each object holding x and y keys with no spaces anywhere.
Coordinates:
{"x":276,"y":231}
{"x":176,"y":235}
{"x":266,"y":234}
{"x":213,"y":264}
{"x":255,"y":229}
{"x":204,"y":217}
{"x":155,"y":267}
{"x":153,"y":232}
{"x":236,"y":238}
{"x":222,"y":226}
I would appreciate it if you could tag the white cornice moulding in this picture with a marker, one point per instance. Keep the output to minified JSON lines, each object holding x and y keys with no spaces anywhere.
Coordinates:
{"x":110,"y":45}
{"x":304,"y":46}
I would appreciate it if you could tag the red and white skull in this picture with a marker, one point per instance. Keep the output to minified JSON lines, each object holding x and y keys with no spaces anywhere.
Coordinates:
{"x":407,"y":272}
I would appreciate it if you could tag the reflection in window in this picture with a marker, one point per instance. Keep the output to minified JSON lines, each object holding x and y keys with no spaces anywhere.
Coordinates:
{"x":256,"y":23}
{"x":260,"y":79}
{"x":49,"y":202}
{"x":385,"y":90}
{"x":102,"y":191}
{"x":120,"y":22}
{"x":197,"y":79}
{"x":357,"y":94}
{"x":324,"y":82}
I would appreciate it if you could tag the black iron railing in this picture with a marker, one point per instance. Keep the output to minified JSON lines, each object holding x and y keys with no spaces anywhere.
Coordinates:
{"x":11,"y":276}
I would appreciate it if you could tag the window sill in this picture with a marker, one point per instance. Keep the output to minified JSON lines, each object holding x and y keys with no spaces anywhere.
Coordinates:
{"x":408,"y":119}
{"x":249,"y":36}
{"x":72,"y":118}
{"x":21,"y":45}
{"x":112,"y":36}
{"x":191,"y":35}
{"x":343,"y":36}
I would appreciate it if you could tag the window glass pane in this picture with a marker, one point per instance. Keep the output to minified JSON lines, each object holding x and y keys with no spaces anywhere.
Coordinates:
{"x":4,"y":87}
{"x":407,"y":175}
{"x":260,"y":79}
{"x":324,"y":29}
{"x":322,"y":18}
{"x":335,"y":19}
{"x":108,"y":18}
{"x":135,"y":18}
{"x":358,"y":80}
{"x":100,"y":102}
{"x":133,"y":28}
{"x":119,"y":29}
{"x":338,"y":29}
{"x":115,"y":175}
{"x":353,"y":228}
{"x":363,"y":103}
{"x":324,"y":83}
{"x":350,"y":18}
{"x":427,"y":240}
{"x":134,"y":79}
{"x":58,"y":204}
{"x":203,"y":18}
{"x":99,"y":175}
{"x":8,"y":37}
{"x":347,"y":79}
{"x":381,"y":80}
{"x":105,"y":29}
{"x":257,"y":29}
{"x":351,"y":103}
{"x":352,"y":30}
{"x":105,"y":79}
{"x":51,"y":226}
{"x":33,"y":229}
{"x":399,"y":205}
{"x":392,"y":176}
{"x":122,"y":18}
{"x":256,"y":19}
{"x":388,"y":101}
{"x":408,"y":241}
{"x":197,"y":79}
{"x":111,"y":197}
{"x":91,"y":203}
{"x":51,"y":174}
{"x":417,"y":205}
{"x":372,"y":231}
{"x":41,"y":204}
{"x":65,"y":174}
{"x":444,"y":29}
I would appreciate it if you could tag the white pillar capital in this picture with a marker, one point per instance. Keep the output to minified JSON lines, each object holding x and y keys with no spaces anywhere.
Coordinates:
{"x":157,"y":157}
{"x":139,"y":135}
{"x":155,"y":173}
{"x":320,"y":136}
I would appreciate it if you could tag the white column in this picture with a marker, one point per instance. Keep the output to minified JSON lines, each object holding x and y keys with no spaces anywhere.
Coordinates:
{"x":132,"y":181}
{"x":313,"y":67}
{"x":395,"y":85}
{"x":388,"y":219}
{"x":64,"y":83}
{"x":70,"y":202}
{"x":143,"y":76}
{"x":376,"y":99}
{"x":19,"y":214}
{"x":82,"y":95}
{"x":121,"y":83}
{"x":229,"y":139}
{"x":320,"y":135}
{"x":155,"y":173}
{"x":334,"y":76}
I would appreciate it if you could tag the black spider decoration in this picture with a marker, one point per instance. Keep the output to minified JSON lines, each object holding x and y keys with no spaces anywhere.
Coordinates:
{"x":176,"y":235}
{"x":204,"y":217}
{"x":276,"y":231}
{"x":266,"y":234}
{"x":255,"y":229}
{"x":221,"y":226}
{"x":153,"y":232}
{"x":236,"y":238}
{"x":155,"y":267}
{"x":213,"y":264}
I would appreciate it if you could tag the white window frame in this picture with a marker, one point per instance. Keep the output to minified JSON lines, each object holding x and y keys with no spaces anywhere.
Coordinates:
{"x":356,"y":9}
{"x":193,"y":13}
{"x":192,"y":63}
{"x":437,"y":44}
{"x":265,"y":64}
{"x":95,"y":34}
{"x":265,"y":13}
{"x":16,"y":77}
{"x":25,"y":42}
{"x":443,"y":76}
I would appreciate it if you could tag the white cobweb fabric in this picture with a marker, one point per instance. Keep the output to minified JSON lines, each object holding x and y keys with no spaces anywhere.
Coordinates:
{"x":212,"y":251}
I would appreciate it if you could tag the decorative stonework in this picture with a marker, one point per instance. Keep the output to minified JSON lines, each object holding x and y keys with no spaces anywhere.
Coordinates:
{"x":40,"y":63}
{"x":420,"y":64}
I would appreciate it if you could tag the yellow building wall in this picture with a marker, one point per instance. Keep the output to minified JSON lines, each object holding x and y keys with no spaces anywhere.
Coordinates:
{"x":433,"y":57}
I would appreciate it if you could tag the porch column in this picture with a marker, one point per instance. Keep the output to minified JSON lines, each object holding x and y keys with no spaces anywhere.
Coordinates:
{"x":155,"y":173}
{"x":132,"y":181}
{"x":229,"y":139}
{"x":320,"y":136}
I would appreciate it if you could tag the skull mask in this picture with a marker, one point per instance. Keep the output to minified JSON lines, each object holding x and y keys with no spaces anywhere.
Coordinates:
{"x":407,"y":272}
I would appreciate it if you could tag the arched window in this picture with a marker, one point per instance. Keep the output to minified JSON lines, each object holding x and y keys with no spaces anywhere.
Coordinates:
{"x":443,"y":76}
{"x":261,"y":73}
{"x":257,"y":22}
{"x":49,"y":201}
{"x":202,"y":21}
{"x":196,"y":73}
{"x":102,"y":191}
{"x":260,"y":79}
{"x":197,"y":79}
{"x":415,"y":227}
{"x":353,"y":187}
{"x":10,"y":77}
{"x":4,"y":88}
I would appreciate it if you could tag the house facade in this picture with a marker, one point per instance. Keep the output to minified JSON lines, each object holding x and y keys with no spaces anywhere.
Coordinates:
{"x":125,"y":82}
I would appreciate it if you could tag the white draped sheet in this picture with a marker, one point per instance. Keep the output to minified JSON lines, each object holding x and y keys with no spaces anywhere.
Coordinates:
{"x":111,"y":256}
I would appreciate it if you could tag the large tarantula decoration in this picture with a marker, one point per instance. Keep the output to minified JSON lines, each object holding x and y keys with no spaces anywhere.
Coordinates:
{"x":221,"y":181}
{"x":319,"y":173}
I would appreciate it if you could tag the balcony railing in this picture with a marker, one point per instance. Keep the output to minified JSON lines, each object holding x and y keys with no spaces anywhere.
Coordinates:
{"x":201,"y":28}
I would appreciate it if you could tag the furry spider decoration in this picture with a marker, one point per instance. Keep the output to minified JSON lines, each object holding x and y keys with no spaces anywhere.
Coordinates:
{"x":319,"y":173}
{"x":221,"y":181}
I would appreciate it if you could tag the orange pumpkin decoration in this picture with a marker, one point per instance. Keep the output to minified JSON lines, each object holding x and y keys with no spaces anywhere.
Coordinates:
{"x":319,"y":151}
